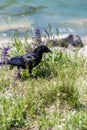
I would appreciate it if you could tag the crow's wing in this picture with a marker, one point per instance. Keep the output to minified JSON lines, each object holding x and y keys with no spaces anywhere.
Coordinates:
{"x":30,"y":57}
{"x":16,"y":61}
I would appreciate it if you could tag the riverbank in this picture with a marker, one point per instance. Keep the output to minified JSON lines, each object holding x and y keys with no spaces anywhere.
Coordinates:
{"x":54,"y":98}
{"x":5,"y":40}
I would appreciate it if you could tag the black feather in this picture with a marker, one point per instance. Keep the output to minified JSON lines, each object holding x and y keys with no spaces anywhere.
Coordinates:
{"x":29,"y":60}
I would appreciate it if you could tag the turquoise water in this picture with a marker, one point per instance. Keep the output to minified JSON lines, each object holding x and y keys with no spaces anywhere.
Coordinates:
{"x":69,"y":16}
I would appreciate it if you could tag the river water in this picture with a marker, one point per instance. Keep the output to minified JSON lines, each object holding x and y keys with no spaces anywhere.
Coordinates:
{"x":68,"y":16}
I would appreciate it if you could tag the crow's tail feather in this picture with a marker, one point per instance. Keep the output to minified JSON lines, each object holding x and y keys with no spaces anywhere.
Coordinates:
{"x":1,"y":64}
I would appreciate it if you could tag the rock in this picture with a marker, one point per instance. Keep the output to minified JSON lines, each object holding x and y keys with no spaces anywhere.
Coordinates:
{"x":83,"y":52}
{"x":73,"y":40}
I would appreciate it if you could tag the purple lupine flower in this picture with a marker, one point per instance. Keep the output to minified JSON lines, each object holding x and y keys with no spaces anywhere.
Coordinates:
{"x":5,"y":55}
{"x":37,"y":35}
{"x":5,"y":51}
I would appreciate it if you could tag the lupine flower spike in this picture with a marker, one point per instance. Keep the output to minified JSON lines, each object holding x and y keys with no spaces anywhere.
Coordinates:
{"x":5,"y":55}
{"x":38,"y":36}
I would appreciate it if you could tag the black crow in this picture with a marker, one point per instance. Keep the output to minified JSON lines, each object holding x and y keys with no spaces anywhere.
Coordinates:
{"x":28,"y":60}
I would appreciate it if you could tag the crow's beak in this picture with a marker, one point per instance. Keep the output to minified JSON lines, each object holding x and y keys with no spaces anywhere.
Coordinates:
{"x":50,"y":51}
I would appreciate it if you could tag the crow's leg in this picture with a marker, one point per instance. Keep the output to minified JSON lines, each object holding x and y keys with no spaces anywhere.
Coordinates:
{"x":17,"y":76}
{"x":30,"y":69}
{"x":11,"y":67}
{"x":19,"y":70}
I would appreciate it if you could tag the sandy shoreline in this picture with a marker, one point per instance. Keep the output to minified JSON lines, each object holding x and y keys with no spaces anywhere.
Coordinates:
{"x":71,"y":50}
{"x":4,"y":41}
{"x":84,"y":40}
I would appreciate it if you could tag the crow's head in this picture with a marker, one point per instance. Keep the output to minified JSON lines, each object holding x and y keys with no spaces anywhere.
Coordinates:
{"x":43,"y":49}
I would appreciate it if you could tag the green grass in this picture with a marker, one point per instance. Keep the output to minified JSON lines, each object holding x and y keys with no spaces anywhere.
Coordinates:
{"x":55,"y":100}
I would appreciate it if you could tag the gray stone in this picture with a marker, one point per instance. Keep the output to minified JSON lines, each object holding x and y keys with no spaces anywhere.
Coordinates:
{"x":73,"y":40}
